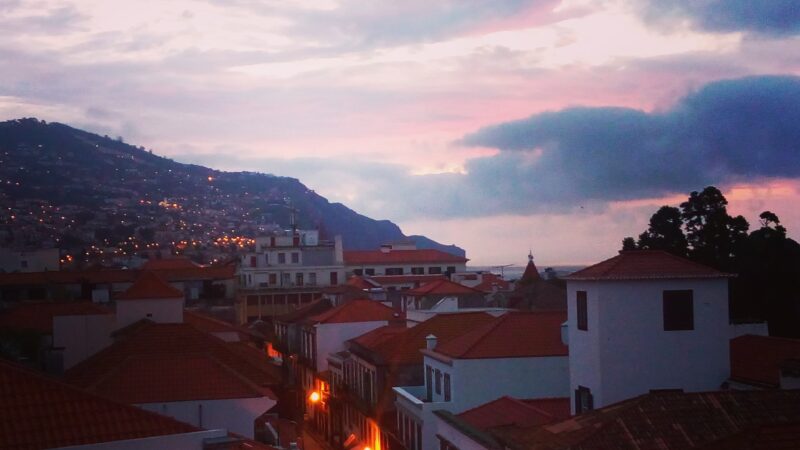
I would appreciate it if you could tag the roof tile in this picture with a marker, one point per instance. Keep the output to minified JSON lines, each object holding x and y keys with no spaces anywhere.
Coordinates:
{"x":646,"y":264}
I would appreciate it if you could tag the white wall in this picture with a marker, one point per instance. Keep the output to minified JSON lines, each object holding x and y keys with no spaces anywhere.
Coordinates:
{"x":161,"y":310}
{"x":184,"y":441}
{"x":626,"y":351}
{"x":332,"y":336}
{"x":235,"y":415}
{"x":82,"y":336}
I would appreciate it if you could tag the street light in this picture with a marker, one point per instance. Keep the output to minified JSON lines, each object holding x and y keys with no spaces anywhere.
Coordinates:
{"x":314,"y":397}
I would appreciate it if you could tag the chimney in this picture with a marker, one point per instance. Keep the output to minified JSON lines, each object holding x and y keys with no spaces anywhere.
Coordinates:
{"x":430,"y":342}
{"x":338,"y":249}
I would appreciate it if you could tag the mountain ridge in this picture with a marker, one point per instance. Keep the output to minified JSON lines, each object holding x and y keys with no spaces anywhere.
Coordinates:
{"x":72,"y":169}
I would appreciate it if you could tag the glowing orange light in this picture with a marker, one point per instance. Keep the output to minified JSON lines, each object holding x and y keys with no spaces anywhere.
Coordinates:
{"x":314,"y":397}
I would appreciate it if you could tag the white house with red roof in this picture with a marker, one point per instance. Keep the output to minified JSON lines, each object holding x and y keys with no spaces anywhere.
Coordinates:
{"x":403,"y":259}
{"x":152,"y":298}
{"x":646,"y":320}
{"x":38,"y":412}
{"x":520,"y":354}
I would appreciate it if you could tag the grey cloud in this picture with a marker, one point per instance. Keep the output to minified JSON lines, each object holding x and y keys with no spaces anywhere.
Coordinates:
{"x":767,"y":17}
{"x":744,"y":129}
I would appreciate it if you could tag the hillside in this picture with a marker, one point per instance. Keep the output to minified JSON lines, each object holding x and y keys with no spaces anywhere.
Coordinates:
{"x":76,"y":188}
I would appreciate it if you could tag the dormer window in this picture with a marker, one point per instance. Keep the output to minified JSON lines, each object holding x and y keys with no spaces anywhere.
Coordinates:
{"x":678,"y":307}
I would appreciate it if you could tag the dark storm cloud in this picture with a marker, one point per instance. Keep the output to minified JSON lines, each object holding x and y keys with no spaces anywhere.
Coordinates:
{"x":768,"y":17}
{"x":735,"y":130}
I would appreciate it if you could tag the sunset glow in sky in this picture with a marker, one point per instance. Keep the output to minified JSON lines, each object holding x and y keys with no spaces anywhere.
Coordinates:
{"x":500,"y":126}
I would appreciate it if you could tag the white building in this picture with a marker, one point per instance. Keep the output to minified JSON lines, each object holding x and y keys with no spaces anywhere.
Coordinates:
{"x":517,"y":354}
{"x":403,"y":259}
{"x":29,"y":261}
{"x":152,"y":298}
{"x":646,"y":320}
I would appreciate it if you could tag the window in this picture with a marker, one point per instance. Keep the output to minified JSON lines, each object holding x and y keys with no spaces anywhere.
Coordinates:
{"x":447,"y":395}
{"x":438,"y":382}
{"x":435,"y":270}
{"x":394,"y":271}
{"x":287,"y":280}
{"x":583,"y":314}
{"x":312,"y":278}
{"x":334,"y":278}
{"x":273,"y":279}
{"x":295,"y":258}
{"x":298,"y":279}
{"x":451,"y":269}
{"x":281,"y":258}
{"x":428,"y":383}
{"x":678,"y":310}
{"x":266,"y":258}
{"x":369,"y":272}
{"x":253,"y":261}
{"x":418,"y":271}
{"x":358,"y":272}
{"x":583,"y":400}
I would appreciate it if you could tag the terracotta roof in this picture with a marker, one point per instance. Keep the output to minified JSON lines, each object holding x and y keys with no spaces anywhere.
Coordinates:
{"x":491,"y":281}
{"x":360,"y":283}
{"x":401,"y":345}
{"x":360,"y":310}
{"x":442,"y":287}
{"x":531,"y":272}
{"x":666,"y":421}
{"x":210,"y":324}
{"x":172,"y":362}
{"x":422,"y":256}
{"x":758,"y":359}
{"x":150,"y":286}
{"x":305,"y":311}
{"x":39,"y":316}
{"x":508,"y":411}
{"x":512,"y":335}
{"x":646,"y":264}
{"x":37,"y":412}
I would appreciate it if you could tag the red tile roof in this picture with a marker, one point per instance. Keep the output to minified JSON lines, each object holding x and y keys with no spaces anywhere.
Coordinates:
{"x":646,"y":264}
{"x":304,"y":312}
{"x":210,"y":324}
{"x":37,"y":412}
{"x":531,"y":272}
{"x":422,"y":256}
{"x":758,"y":359}
{"x":512,"y":335}
{"x":170,"y":263}
{"x":38,"y":316}
{"x":360,"y":310}
{"x":360,"y":283}
{"x":508,"y":411}
{"x":491,"y":281}
{"x":400,"y":345}
{"x":669,"y":421}
{"x":107,"y":276}
{"x":172,"y":362}
{"x":150,"y":286}
{"x":442,"y":287}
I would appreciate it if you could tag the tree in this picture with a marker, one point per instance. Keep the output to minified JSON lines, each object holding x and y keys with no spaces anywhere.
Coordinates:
{"x":628,"y":244}
{"x":665,"y":232}
{"x":713,"y":236}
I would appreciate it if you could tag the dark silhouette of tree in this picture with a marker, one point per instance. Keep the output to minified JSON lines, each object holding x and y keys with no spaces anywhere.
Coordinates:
{"x":665,"y":232}
{"x":713,"y":235}
{"x":628,"y":244}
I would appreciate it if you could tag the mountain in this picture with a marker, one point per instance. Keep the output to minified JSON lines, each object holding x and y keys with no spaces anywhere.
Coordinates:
{"x":72,"y":186}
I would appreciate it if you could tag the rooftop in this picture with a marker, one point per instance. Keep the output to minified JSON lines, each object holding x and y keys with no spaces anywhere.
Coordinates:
{"x":150,"y":286}
{"x":511,"y":335}
{"x":359,"y":310}
{"x":401,"y":345}
{"x":442,"y":287}
{"x":672,"y":421}
{"x":174,"y":362}
{"x":758,"y":359}
{"x":509,"y":411}
{"x":644,"y":265}
{"x":38,"y":316}
{"x":37,"y":412}
{"x":365,"y":257}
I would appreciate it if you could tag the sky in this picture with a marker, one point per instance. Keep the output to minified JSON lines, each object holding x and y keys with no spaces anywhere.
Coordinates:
{"x":503,"y":126}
